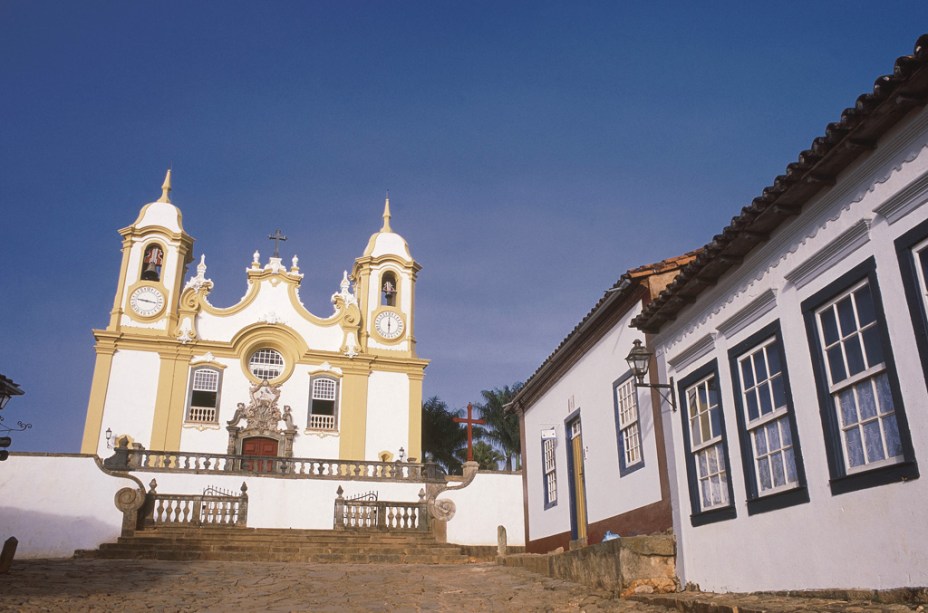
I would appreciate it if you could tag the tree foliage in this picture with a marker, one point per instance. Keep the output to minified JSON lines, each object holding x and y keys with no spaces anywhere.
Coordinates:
{"x":487,"y":456}
{"x":502,"y":427}
{"x":442,"y":439}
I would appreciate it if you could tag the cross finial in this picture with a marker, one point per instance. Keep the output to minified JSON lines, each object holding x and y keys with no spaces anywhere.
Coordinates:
{"x":277,"y":237}
{"x":386,"y":215}
{"x":470,"y":421}
{"x":166,"y":188}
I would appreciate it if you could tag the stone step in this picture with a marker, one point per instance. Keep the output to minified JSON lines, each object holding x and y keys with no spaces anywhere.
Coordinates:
{"x":272,"y":556}
{"x":280,"y":548}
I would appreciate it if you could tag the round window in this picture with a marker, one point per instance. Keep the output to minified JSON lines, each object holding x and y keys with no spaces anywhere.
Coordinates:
{"x":266,"y":364}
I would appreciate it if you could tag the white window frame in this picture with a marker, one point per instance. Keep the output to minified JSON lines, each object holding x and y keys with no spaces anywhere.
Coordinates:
{"x":626,"y":394}
{"x":872,"y":376}
{"x":917,"y":252}
{"x":549,"y":465}
{"x":709,"y":449}
{"x":319,"y":389}
{"x":759,"y":427}
{"x":266,"y":363}
{"x":200,"y":377}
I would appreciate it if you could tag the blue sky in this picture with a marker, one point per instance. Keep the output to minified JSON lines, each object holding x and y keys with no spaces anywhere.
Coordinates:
{"x":533,"y":151}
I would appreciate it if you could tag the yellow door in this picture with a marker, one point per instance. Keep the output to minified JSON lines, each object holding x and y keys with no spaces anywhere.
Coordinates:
{"x":579,"y":497}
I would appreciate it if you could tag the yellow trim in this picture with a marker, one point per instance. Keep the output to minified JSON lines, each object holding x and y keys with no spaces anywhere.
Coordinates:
{"x":116,"y":313}
{"x":353,"y":417}
{"x":168,"y":418}
{"x":283,"y":339}
{"x":415,"y":416}
{"x":93,"y":423}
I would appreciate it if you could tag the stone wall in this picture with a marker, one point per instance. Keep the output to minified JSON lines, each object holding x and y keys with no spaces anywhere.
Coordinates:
{"x":637,"y":564}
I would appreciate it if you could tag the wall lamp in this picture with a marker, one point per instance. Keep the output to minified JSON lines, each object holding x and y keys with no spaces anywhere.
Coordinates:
{"x":109,"y":438}
{"x":639,"y":360}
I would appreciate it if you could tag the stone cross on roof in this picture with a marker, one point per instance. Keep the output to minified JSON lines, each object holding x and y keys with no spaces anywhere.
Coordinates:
{"x":277,"y":237}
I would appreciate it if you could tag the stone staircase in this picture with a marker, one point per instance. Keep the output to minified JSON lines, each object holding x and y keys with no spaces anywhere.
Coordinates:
{"x":274,"y":545}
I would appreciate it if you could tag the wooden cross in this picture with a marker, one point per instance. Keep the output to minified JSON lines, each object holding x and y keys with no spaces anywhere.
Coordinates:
{"x":277,"y":237}
{"x":470,"y":421}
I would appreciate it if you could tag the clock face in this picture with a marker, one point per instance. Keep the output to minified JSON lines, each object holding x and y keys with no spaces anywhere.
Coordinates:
{"x":389,"y":325}
{"x":147,"y":301}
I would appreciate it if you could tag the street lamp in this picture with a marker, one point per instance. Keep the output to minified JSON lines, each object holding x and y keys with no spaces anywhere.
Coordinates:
{"x":8,"y":389}
{"x":639,"y":360}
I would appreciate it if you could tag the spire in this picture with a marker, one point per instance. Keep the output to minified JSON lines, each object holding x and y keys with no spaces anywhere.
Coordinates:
{"x":166,"y":188}
{"x":386,"y":215}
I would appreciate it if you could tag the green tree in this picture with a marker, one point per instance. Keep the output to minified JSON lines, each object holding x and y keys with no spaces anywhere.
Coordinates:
{"x":502,"y":427}
{"x":487,"y":456}
{"x":442,"y":439}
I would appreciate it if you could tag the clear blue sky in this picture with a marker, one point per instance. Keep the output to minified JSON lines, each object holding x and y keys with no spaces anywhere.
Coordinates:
{"x":533,"y":152}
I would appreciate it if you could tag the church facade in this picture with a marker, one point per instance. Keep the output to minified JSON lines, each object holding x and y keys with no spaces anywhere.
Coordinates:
{"x":262,"y":377}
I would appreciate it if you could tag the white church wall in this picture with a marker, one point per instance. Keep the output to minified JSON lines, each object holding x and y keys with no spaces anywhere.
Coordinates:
{"x":55,"y":504}
{"x":588,"y":385}
{"x":869,"y":537}
{"x":387,"y":414}
{"x":130,"y":398}
{"x":492,"y":499}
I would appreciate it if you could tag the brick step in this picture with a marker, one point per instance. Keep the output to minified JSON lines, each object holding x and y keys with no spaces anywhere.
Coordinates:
{"x":271,"y":556}
{"x":277,"y":548}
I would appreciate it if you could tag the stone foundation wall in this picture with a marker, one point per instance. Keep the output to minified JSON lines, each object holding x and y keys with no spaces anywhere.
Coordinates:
{"x":637,"y":564}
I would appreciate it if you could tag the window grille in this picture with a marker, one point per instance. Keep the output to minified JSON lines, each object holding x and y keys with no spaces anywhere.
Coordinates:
{"x":266,"y":364}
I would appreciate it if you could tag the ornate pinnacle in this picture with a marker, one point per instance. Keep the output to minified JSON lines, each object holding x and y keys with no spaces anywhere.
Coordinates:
{"x":166,"y":188}
{"x":386,"y":215}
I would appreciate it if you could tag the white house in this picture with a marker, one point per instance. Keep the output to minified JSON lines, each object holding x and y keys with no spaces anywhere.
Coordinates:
{"x":592,"y":448}
{"x":797,"y":345}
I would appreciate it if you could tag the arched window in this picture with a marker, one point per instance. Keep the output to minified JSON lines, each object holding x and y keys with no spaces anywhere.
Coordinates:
{"x":323,"y":403}
{"x":151,"y":262}
{"x":266,"y":364}
{"x":388,"y":289}
{"x":203,"y":398}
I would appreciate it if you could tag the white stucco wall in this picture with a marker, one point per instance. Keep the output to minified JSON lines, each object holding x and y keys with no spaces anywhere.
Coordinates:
{"x":492,"y":499}
{"x":55,"y":504}
{"x":130,"y":397}
{"x":869,"y":538}
{"x":387,"y":414}
{"x":589,"y":383}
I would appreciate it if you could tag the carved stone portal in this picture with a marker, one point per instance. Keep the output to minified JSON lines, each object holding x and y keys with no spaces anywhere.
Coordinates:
{"x":262,"y":419}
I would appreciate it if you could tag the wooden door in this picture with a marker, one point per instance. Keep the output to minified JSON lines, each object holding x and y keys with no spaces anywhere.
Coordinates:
{"x":578,"y":492}
{"x":259,"y":446}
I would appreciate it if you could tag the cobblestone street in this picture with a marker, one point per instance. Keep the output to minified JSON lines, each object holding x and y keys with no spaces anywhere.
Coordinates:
{"x":143,"y":585}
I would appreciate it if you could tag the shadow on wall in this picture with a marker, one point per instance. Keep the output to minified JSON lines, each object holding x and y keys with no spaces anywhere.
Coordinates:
{"x":47,"y":535}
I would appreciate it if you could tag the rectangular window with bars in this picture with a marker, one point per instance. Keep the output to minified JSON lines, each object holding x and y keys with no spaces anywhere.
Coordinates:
{"x":769,"y":445}
{"x":323,"y":403}
{"x":203,"y":399}
{"x":867,"y":436}
{"x":548,"y":447}
{"x":627,"y":422}
{"x":707,"y":463}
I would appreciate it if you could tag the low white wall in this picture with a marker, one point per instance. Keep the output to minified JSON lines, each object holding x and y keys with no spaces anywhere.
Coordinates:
{"x":54,"y":504}
{"x":492,"y":499}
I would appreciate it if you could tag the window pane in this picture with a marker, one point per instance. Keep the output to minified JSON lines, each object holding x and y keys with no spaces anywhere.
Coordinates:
{"x":865,"y":400}
{"x":760,"y":366}
{"x":779,"y":477}
{"x":829,"y":326}
{"x":760,"y":441}
{"x":848,"y":407}
{"x":779,"y":392}
{"x":765,"y":405}
{"x":200,"y":398}
{"x":751,"y":399}
{"x":884,"y":394}
{"x":865,"y":310}
{"x":773,"y":358}
{"x":747,"y":373}
{"x":790,"y":457}
{"x":773,"y":436}
{"x":763,"y":473}
{"x":846,"y":316}
{"x":836,"y":364}
{"x":855,"y":355}
{"x":716,"y":421}
{"x":713,"y":462}
{"x":874,"y":441}
{"x":786,"y":433}
{"x":893,"y":442}
{"x":703,"y":469}
{"x":873,"y":346}
{"x":855,"y":450}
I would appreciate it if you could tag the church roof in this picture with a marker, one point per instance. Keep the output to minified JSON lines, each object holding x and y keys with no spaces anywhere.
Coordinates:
{"x":386,"y":241}
{"x":161,"y":212}
{"x":614,"y":303}
{"x":844,"y":141}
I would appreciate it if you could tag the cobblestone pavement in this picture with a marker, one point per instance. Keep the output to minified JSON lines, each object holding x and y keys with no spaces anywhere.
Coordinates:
{"x":155,"y":585}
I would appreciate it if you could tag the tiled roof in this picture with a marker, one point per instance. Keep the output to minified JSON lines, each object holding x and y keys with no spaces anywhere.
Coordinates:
{"x":844,"y":141}
{"x":615,"y":296}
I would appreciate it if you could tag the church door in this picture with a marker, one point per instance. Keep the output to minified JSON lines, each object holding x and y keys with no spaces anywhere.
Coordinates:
{"x":259,"y":446}
{"x":577,"y":485}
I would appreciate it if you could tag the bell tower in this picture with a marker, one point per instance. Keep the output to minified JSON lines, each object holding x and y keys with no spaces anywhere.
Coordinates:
{"x":386,"y":281}
{"x":155,"y":255}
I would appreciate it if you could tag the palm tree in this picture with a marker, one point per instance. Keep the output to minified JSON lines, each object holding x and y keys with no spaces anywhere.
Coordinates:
{"x":487,"y":456}
{"x":502,"y":427}
{"x":442,"y":439}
